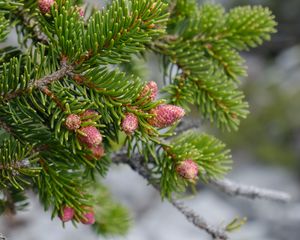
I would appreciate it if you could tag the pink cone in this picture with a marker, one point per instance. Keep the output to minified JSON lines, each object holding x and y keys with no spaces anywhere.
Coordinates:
{"x":188,"y":169}
{"x":130,"y":123}
{"x":88,"y":217}
{"x":73,"y":122}
{"x":152,"y":88}
{"x":92,"y":136}
{"x":45,"y":5}
{"x":81,"y":12}
{"x":67,"y":215}
{"x":165,"y":115}
{"x":97,"y":152}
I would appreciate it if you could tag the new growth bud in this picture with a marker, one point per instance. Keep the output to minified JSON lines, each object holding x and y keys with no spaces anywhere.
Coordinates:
{"x":97,"y":152}
{"x":130,"y":123}
{"x":80,"y":11}
{"x":150,"y":88}
{"x":67,"y":214}
{"x":91,"y":137}
{"x":188,"y":169}
{"x":45,"y":5}
{"x":88,"y":217}
{"x":73,"y":122}
{"x":165,"y":115}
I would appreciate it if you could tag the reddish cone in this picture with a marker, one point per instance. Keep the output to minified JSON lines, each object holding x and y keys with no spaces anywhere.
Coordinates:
{"x":45,"y":5}
{"x":89,"y":216}
{"x":92,"y":136}
{"x":81,"y":12}
{"x":150,"y":88}
{"x":67,"y":214}
{"x":165,"y":115}
{"x":130,"y":123}
{"x":188,"y":169}
{"x":97,"y":152}
{"x":73,"y":122}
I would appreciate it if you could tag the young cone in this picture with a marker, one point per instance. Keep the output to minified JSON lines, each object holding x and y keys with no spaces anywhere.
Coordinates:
{"x":73,"y":122}
{"x":97,"y":152}
{"x":88,"y":217}
{"x":67,"y":214}
{"x":80,"y":11}
{"x":130,"y":123}
{"x":165,"y":115}
{"x":91,"y":137}
{"x":188,"y":169}
{"x":45,"y":5}
{"x":152,"y":88}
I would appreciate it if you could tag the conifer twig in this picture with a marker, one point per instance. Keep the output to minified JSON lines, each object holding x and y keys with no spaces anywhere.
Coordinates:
{"x":234,"y":189}
{"x":31,"y":24}
{"x":135,"y":162}
{"x":42,"y":82}
{"x":15,"y":165}
{"x":225,"y":185}
{"x":198,"y":221}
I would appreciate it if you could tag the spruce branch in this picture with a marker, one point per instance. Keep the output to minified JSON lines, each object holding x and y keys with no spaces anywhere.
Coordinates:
{"x":71,"y":70}
{"x":234,"y":189}
{"x":137,"y":163}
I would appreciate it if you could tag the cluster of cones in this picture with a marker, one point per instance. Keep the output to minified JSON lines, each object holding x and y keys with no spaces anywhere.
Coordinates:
{"x":164,"y":115}
{"x":68,"y":214}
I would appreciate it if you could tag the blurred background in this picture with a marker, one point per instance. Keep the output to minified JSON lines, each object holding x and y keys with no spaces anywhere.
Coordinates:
{"x":266,"y":153}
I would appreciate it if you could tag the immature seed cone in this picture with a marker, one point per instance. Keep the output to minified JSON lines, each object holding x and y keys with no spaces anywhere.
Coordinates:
{"x":130,"y":123}
{"x":45,"y":5}
{"x":97,"y":152}
{"x":150,"y":88}
{"x":88,"y":217}
{"x":73,"y":122}
{"x":67,"y":214}
{"x":92,"y":136}
{"x":188,"y":169}
{"x":81,"y":12}
{"x":165,"y":115}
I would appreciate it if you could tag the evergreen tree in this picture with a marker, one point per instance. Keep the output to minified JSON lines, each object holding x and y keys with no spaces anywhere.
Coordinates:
{"x":74,"y":99}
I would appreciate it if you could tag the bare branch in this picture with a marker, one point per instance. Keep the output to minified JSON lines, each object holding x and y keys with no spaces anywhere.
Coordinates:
{"x":136,"y":163}
{"x":235,"y":189}
{"x":198,"y":221}
{"x":41,"y":83}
